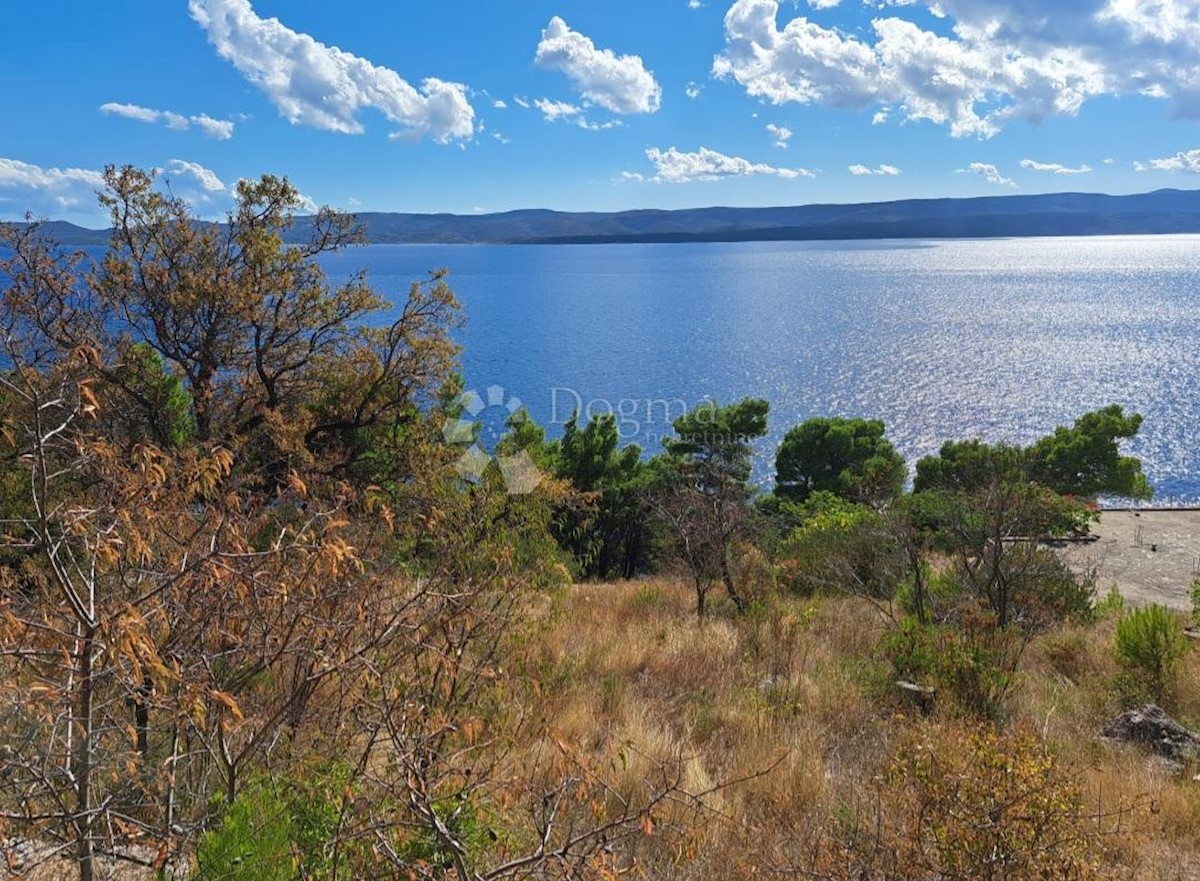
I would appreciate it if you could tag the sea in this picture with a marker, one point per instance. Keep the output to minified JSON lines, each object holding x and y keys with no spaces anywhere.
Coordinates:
{"x":998,"y":339}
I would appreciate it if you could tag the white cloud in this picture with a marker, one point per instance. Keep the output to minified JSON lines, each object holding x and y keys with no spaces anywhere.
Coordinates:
{"x":326,"y":87}
{"x":221,"y":129}
{"x":972,"y":81}
{"x":693,"y":90}
{"x":130,"y":111}
{"x":499,"y":104}
{"x":521,"y":102}
{"x":205,"y":177}
{"x":675,"y":167}
{"x":1188,"y":160}
{"x":1053,"y":167}
{"x":881,"y":170}
{"x":14,"y":173}
{"x":988,"y":172}
{"x":694,"y":4}
{"x":49,"y":190}
{"x":823,"y":4}
{"x":780,"y":133}
{"x":553,"y":111}
{"x":618,"y":83}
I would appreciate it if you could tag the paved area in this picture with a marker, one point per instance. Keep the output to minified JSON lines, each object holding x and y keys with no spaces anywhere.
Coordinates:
{"x":1151,"y":556}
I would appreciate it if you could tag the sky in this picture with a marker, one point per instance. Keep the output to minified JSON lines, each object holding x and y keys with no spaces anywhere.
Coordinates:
{"x":597,"y":105}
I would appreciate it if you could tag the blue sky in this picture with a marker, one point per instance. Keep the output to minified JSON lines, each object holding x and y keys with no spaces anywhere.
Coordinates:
{"x":585,"y":105}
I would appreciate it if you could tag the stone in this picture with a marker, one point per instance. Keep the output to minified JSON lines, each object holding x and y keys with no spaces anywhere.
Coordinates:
{"x":1151,"y":728}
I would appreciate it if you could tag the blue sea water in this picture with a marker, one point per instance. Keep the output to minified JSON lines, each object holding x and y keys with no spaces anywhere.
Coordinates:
{"x":997,"y":339}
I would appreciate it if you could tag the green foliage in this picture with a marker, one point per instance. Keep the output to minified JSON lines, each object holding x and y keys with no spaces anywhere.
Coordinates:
{"x":841,"y":546}
{"x":161,"y":401}
{"x":462,"y":821}
{"x":719,"y":437}
{"x":606,"y":528}
{"x":1113,"y":603}
{"x":968,"y":466}
{"x":1085,"y":459}
{"x":1150,"y":645}
{"x":279,"y":830}
{"x":973,"y":665}
{"x":1194,"y":594}
{"x":847,"y":457}
{"x":975,"y":803}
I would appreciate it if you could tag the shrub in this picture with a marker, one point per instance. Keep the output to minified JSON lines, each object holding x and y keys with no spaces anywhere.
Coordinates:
{"x":974,"y":666}
{"x":279,"y":829}
{"x":1195,"y":596}
{"x":1112,"y":604}
{"x":971,"y":803}
{"x":1150,"y":644}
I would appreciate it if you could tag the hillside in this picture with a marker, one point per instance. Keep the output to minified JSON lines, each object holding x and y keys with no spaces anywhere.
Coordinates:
{"x":1162,"y":211}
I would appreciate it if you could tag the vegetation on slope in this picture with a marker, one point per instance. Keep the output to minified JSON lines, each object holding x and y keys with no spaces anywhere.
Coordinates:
{"x":255,"y":623}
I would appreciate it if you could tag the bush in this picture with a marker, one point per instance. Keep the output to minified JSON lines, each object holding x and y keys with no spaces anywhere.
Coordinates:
{"x":969,"y":803}
{"x":1150,"y":645}
{"x":1112,"y":604}
{"x":975,"y":666}
{"x":279,"y":829}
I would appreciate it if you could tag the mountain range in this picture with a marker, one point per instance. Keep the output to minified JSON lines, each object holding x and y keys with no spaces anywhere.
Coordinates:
{"x":1162,"y":211}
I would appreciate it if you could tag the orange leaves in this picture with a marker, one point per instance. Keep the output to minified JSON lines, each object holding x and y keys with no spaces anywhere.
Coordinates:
{"x":229,"y":702}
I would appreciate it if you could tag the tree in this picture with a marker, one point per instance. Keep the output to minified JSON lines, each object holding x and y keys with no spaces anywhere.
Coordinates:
{"x":967,"y":466}
{"x":607,"y":531}
{"x":702,"y":492}
{"x":848,"y":457}
{"x":1085,"y":459}
{"x":272,"y":356}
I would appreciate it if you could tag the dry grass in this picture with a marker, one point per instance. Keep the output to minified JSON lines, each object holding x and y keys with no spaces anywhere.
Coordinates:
{"x":799,"y":688}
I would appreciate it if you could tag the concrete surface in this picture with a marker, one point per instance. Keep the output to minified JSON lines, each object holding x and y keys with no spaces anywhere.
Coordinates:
{"x":1151,"y":556}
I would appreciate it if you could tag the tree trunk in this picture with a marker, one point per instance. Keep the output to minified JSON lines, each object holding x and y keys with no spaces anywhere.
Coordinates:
{"x":730,"y":587}
{"x":82,"y":760}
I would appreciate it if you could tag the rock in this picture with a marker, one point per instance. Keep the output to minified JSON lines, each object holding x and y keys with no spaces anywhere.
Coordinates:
{"x":922,"y":695}
{"x":1151,"y":728}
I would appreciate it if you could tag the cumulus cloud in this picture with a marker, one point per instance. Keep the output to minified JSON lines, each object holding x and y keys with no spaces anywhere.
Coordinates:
{"x":1053,"y":167}
{"x":326,"y":87}
{"x":48,"y":190}
{"x":780,"y":133}
{"x":221,"y":129}
{"x":205,"y":177}
{"x":1188,"y":160}
{"x":693,"y":90}
{"x":500,"y":104}
{"x":673,"y":166}
{"x":618,"y":83}
{"x":882,"y":170}
{"x":988,"y":172}
{"x":15,"y":173}
{"x":999,"y":60}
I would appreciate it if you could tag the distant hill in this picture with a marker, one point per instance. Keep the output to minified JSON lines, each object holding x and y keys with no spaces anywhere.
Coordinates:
{"x":1162,"y":211}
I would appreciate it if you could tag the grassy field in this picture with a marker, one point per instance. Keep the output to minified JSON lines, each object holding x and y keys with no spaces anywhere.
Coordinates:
{"x":800,"y":688}
{"x":789,"y":722}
